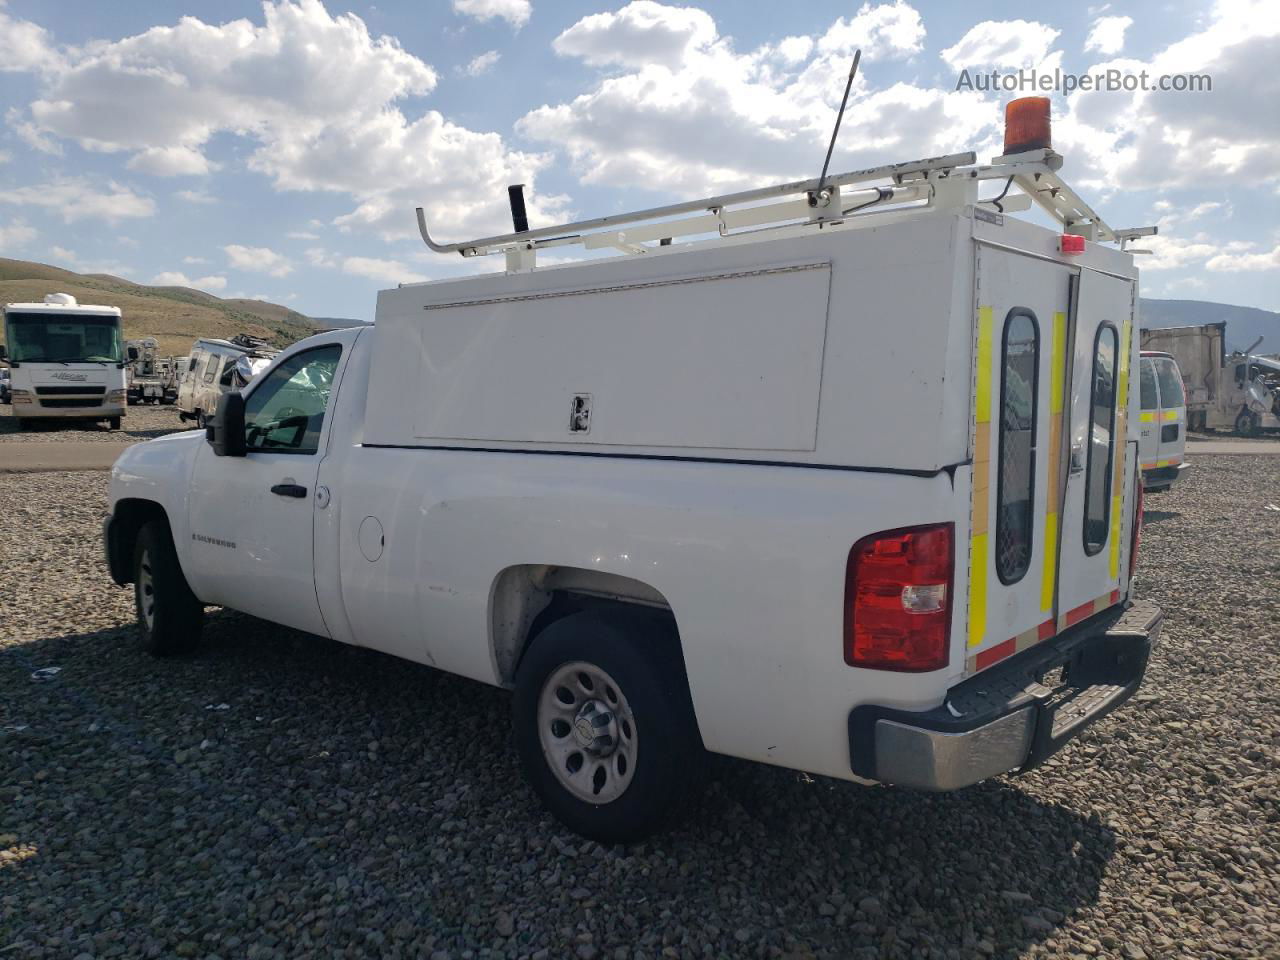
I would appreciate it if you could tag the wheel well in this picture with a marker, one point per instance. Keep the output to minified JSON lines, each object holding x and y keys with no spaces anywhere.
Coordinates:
{"x":527,"y":598}
{"x":127,"y":519}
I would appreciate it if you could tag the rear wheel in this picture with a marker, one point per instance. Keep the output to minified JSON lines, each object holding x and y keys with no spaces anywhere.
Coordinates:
{"x":603,"y":724}
{"x":169,"y":615}
{"x":113,"y":423}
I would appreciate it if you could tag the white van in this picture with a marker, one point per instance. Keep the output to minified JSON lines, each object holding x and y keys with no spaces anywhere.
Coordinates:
{"x":1162,"y":421}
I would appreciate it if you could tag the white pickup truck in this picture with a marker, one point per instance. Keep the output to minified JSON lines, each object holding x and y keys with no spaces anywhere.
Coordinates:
{"x":854,"y":495}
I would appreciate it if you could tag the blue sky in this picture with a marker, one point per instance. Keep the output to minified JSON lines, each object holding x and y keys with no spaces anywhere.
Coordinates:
{"x":277,"y":150}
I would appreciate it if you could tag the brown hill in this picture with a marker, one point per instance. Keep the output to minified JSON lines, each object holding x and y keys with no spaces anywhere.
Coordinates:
{"x":175,"y":316}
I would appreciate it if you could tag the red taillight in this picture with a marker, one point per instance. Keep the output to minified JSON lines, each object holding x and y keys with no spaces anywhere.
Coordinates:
{"x":1137,"y":529}
{"x":897,"y":599}
{"x":1072,"y":244}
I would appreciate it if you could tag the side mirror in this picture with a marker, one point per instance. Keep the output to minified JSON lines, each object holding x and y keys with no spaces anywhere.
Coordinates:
{"x":225,"y":432}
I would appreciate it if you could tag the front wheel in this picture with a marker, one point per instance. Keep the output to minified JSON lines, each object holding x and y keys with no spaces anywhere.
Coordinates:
{"x":113,"y":423}
{"x":170,"y":616}
{"x":1248,"y":423}
{"x":603,"y":724}
{"x":200,"y":422}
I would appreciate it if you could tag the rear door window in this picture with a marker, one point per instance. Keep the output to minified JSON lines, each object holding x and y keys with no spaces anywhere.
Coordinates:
{"x":1170,"y":383}
{"x":1015,"y":494}
{"x":1147,"y":379}
{"x":1102,"y":417}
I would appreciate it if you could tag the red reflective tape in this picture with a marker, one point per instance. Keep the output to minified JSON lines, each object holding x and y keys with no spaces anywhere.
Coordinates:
{"x":997,"y":653}
{"x":1115,"y":596}
{"x":1081,"y":612}
{"x":1045,"y":630}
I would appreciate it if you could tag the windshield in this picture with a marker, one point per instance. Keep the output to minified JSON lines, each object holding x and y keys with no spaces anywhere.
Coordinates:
{"x":63,"y":338}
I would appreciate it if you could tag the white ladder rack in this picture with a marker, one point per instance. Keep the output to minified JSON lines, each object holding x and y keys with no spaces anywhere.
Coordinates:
{"x":945,"y":182}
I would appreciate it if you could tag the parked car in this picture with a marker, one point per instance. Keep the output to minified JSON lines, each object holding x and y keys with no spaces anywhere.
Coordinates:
{"x":785,"y":494}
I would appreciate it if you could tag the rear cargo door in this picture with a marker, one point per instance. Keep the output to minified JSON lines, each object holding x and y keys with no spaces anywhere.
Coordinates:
{"x":1173,"y":413}
{"x":1020,"y":368}
{"x":1099,"y":458}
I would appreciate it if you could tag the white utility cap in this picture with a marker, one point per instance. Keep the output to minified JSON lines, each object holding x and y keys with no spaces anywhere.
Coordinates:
{"x":60,"y":299}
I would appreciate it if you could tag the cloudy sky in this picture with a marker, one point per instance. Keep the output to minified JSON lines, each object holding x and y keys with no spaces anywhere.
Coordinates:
{"x":278,"y":149}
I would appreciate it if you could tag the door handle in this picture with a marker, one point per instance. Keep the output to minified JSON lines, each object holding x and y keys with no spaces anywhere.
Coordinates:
{"x":1077,"y":458}
{"x":295,"y":490}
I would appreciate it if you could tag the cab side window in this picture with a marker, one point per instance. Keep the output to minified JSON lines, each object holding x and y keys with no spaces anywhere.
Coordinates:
{"x":228,"y":370}
{"x":1015,"y":493}
{"x":285,"y":414}
{"x":1102,"y":425}
{"x":210,"y":368}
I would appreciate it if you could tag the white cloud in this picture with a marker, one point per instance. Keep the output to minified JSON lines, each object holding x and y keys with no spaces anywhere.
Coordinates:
{"x":320,"y":99}
{"x":384,"y":271}
{"x":320,"y":257}
{"x":170,"y":162}
{"x":1107,"y":35}
{"x":77,"y":198}
{"x":196,"y":196}
{"x":711,"y":118}
{"x":258,"y":260}
{"x":25,"y":46}
{"x":482,"y":64}
{"x":175,"y":278}
{"x":195,"y":261}
{"x":515,"y":12}
{"x":302,"y":235}
{"x":73,"y":261}
{"x":1001,"y":43}
{"x":1181,"y":138}
{"x":1237,"y":262}
{"x":643,"y":32}
{"x":5,"y":156}
{"x":15,"y":235}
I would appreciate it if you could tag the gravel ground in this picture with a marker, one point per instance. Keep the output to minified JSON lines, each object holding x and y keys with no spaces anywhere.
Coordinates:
{"x":143,"y":422}
{"x":283,"y":796}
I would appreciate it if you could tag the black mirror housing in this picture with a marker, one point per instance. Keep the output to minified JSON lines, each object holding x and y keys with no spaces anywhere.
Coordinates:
{"x":225,"y":432}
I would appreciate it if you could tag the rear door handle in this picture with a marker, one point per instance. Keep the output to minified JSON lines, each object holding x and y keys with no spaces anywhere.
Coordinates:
{"x":294,"y":490}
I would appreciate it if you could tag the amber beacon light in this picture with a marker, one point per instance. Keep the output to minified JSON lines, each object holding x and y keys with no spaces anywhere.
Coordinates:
{"x":1026,"y":125}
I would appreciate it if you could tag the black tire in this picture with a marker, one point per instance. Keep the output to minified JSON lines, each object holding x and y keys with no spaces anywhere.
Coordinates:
{"x":200,"y":422}
{"x":641,"y":655}
{"x":113,"y":423}
{"x":169,"y":615}
{"x":1247,"y":423}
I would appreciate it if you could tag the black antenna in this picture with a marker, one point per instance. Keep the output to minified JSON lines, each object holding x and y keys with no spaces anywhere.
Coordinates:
{"x":857,"y":55}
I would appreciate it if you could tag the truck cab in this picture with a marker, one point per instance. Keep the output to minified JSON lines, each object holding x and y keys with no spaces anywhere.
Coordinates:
{"x":66,"y":361}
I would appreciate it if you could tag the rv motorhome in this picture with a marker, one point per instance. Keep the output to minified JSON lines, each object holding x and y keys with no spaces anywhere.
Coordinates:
{"x":66,"y":361}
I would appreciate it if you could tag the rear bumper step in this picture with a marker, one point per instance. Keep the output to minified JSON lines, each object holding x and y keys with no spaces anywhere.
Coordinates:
{"x":1010,"y":717}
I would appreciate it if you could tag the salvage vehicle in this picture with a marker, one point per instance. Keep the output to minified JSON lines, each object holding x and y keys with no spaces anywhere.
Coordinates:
{"x":215,"y":367}
{"x":844,"y":481}
{"x":1237,"y":391}
{"x":66,"y":361}
{"x":1162,"y":421}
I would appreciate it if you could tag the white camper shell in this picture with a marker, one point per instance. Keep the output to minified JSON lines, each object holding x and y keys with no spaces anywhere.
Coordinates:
{"x":214,"y":367}
{"x":839,"y":487}
{"x":66,"y":361}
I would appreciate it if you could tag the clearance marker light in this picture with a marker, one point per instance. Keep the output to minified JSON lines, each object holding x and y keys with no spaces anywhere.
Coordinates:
{"x":1071,"y":244}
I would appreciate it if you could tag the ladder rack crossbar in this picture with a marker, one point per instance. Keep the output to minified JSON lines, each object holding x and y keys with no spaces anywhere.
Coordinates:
{"x":897,"y":171}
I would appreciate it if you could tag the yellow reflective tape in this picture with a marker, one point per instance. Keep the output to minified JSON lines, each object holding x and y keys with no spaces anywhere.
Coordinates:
{"x":982,"y":392}
{"x":980,"y":507}
{"x":1057,"y":372}
{"x":1050,"y":557}
{"x":1171,"y":414}
{"x":977,"y":589}
{"x":1115,"y":536}
{"x":1147,"y":416}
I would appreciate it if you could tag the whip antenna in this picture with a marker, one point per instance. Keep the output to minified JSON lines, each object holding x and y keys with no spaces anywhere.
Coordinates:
{"x":857,"y":55}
